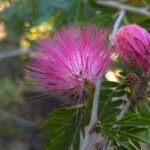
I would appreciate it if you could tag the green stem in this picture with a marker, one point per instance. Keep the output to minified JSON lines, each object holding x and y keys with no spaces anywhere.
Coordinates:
{"x":77,"y":12}
{"x":134,"y":98}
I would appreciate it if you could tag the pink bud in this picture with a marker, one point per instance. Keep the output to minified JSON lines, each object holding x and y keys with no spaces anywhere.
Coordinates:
{"x":133,"y":45}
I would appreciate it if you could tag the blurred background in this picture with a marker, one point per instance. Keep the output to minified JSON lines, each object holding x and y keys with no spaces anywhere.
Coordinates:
{"x":22,"y":23}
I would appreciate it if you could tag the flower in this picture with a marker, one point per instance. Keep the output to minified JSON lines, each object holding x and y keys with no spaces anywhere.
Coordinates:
{"x":72,"y":58}
{"x":133,"y":45}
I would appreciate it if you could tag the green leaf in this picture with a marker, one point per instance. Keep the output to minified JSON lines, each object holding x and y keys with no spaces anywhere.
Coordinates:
{"x":129,"y":136}
{"x":105,"y":94}
{"x":123,"y":73}
{"x":119,"y":93}
{"x":109,"y":120}
{"x":109,"y":84}
{"x":63,"y":127}
{"x":127,"y":132}
{"x":136,"y":144}
{"x":145,"y":140}
{"x":128,"y":146}
{"x":122,"y":86}
{"x":110,"y":109}
{"x":144,"y":107}
{"x":136,"y":122}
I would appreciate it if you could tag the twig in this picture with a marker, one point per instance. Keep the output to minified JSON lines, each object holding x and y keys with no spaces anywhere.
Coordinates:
{"x":95,"y":103}
{"x":105,"y":144}
{"x":117,"y":24}
{"x":14,"y":53}
{"x":115,"y":29}
{"x":132,"y":9}
{"x":93,"y":120}
{"x":21,"y":121}
{"x":124,"y":110}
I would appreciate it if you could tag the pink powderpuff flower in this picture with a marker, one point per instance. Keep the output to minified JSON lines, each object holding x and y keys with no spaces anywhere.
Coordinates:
{"x":73,"y":57}
{"x":133,"y":45}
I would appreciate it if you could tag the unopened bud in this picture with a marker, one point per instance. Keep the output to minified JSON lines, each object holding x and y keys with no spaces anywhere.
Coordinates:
{"x":132,"y":79}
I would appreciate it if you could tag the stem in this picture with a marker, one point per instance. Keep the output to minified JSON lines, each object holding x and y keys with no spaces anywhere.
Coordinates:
{"x":132,"y":9}
{"x":124,"y":110}
{"x":117,"y":24}
{"x":94,"y":117}
{"x":95,"y":103}
{"x":77,"y":12}
{"x":133,"y":97}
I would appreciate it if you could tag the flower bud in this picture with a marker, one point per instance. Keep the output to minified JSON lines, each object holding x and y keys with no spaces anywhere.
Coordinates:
{"x":133,"y":45}
{"x":132,"y":79}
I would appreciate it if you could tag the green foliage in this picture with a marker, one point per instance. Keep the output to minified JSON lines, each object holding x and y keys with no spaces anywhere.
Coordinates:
{"x":111,"y":97}
{"x":144,"y":109}
{"x":63,"y":128}
{"x":33,"y":13}
{"x":126,"y":133}
{"x":64,"y":125}
{"x":109,"y":84}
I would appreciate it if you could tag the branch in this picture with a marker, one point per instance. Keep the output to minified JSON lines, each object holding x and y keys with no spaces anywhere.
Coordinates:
{"x":94,"y":114}
{"x":95,"y":103}
{"x":14,"y":53}
{"x":117,"y":24}
{"x":114,"y":32}
{"x":132,"y":9}
{"x":19,"y":120}
{"x":124,"y":110}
